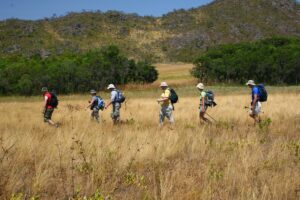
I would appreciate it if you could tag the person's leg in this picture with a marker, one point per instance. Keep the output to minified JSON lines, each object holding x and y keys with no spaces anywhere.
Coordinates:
{"x":96,"y":114}
{"x":255,"y":113}
{"x":92,"y":115}
{"x":48,"y":116}
{"x":169,"y":114}
{"x":202,"y":115}
{"x":203,"y":118}
{"x":112,"y":114}
{"x":161,"y":116}
{"x":116,"y":113}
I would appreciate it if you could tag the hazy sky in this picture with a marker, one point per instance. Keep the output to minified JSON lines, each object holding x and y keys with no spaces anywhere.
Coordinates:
{"x":37,"y":9}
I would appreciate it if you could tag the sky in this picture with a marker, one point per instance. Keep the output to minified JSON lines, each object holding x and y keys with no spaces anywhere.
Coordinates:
{"x":38,"y":9}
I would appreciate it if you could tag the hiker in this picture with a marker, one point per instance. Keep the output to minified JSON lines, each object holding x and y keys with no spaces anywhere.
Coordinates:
{"x":116,"y":99}
{"x":50,"y":103}
{"x":95,"y":105}
{"x":257,"y":97}
{"x":203,"y":104}
{"x":166,"y":109}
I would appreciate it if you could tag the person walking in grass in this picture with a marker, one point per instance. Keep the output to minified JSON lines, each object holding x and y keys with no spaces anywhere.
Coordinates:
{"x":255,"y":108}
{"x":50,"y":103}
{"x":95,"y":105}
{"x":203,"y":105}
{"x":166,"y":109}
{"x":116,"y":99}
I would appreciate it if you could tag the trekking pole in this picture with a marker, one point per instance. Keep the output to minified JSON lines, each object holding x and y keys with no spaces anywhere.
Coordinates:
{"x":211,"y":117}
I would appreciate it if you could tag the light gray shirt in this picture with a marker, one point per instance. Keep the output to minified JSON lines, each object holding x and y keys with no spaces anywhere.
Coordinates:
{"x":113,"y":95}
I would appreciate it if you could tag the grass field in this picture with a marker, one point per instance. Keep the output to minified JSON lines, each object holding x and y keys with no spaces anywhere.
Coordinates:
{"x":231,"y":159}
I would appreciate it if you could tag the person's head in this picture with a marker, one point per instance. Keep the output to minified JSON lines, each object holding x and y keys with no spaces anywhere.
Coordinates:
{"x":200,"y":86}
{"x":111,"y":87}
{"x":93,"y":92}
{"x":250,"y":83}
{"x":44,"y":90}
{"x":163,"y":85}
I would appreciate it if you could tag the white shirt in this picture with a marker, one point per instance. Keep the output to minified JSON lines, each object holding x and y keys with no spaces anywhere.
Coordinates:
{"x":113,"y":95}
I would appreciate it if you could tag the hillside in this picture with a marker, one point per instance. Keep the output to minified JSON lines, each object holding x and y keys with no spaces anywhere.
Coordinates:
{"x":176,"y":36}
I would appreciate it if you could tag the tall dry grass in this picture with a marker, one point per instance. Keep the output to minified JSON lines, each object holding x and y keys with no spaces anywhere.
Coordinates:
{"x":231,"y":159}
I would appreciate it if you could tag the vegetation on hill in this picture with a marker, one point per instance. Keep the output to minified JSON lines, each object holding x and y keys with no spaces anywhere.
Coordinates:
{"x":177,"y":36}
{"x":273,"y":61}
{"x":70,"y":73}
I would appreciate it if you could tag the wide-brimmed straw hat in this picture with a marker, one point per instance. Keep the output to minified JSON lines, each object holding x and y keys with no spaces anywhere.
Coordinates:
{"x":111,"y":86}
{"x":163,"y":84}
{"x":200,"y":86}
{"x":250,"y":82}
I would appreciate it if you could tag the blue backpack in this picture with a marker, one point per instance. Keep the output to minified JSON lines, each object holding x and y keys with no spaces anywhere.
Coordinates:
{"x":262,"y":92}
{"x":120,"y":97}
{"x":100,"y":103}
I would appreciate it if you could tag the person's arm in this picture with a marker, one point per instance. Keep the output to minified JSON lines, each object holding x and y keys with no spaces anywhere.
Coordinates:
{"x":45,"y":104}
{"x":254,"y":101}
{"x":203,"y":103}
{"x":112,"y":99}
{"x":162,"y":99}
{"x":90,"y":105}
{"x":108,"y":104}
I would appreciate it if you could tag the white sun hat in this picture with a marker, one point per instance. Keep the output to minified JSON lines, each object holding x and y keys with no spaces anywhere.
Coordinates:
{"x":111,"y":86}
{"x":250,"y":82}
{"x":93,"y":92}
{"x":200,"y":86}
{"x":163,"y":84}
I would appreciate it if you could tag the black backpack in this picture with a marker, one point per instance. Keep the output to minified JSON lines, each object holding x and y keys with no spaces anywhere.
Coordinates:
{"x":173,"y":96}
{"x":53,"y":100}
{"x":210,"y":98}
{"x":263,"y":93}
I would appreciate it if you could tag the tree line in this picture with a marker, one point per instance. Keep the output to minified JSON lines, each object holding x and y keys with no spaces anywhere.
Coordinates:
{"x":72,"y":73}
{"x":272,"y":61}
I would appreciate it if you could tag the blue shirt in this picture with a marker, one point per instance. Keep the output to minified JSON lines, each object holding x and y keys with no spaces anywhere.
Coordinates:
{"x":255,"y":91}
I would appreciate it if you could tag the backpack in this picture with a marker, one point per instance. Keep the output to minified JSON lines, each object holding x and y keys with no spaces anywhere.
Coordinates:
{"x":120,"y":97}
{"x":53,"y":100}
{"x":210,"y":98}
{"x":100,"y":103}
{"x":263,"y":94}
{"x":173,"y":96}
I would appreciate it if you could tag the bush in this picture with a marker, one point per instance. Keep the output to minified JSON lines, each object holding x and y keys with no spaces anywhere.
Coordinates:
{"x":273,"y":61}
{"x":72,"y":73}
